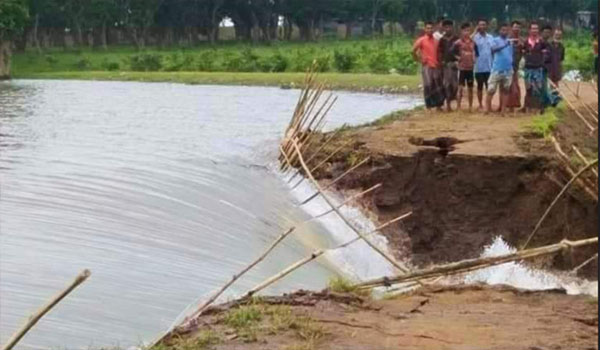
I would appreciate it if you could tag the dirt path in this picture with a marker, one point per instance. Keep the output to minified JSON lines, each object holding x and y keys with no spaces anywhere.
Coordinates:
{"x":463,"y":317}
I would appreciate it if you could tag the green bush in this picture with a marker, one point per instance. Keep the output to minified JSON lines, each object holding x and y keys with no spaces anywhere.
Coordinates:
{"x":178,"y":62}
{"x":205,"y":62}
{"x":83,"y":63}
{"x":344,"y":60}
{"x":379,"y":62}
{"x":145,"y":62}
{"x":51,"y":59}
{"x":274,"y":63}
{"x":301,"y":60}
{"x":246,"y":61}
{"x":110,"y":65}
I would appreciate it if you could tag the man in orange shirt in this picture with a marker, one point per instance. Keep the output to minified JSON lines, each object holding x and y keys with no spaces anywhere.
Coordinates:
{"x":425,"y":51}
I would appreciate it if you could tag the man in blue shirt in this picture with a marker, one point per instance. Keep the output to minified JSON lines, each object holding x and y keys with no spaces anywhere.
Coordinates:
{"x":502,"y":68}
{"x":483,"y":53}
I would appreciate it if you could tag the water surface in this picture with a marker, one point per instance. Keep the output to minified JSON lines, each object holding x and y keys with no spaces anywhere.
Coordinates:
{"x":162,"y":190}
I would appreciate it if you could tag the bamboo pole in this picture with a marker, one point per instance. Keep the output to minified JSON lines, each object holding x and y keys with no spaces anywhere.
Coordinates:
{"x":585,"y":121}
{"x":346,"y":221}
{"x":352,"y":198}
{"x":585,"y":263}
{"x":329,"y":185}
{"x":284,"y":273}
{"x":564,"y":189}
{"x":584,"y":159}
{"x":567,"y":161}
{"x":593,"y":113}
{"x":33,"y":319}
{"x":475,"y":264}
{"x":325,"y":160}
{"x":315,"y":153}
{"x":243,"y":271}
{"x":317,"y":253}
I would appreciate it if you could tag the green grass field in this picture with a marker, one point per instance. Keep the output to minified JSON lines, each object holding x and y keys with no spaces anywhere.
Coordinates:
{"x":336,"y":81}
{"x":361,"y":64}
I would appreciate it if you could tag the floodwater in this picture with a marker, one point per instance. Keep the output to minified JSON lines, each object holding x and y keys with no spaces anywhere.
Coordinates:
{"x":163,"y":191}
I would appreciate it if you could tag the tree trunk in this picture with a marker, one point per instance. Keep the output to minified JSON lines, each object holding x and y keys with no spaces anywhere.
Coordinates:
{"x":103,"y":36}
{"x":5,"y":52}
{"x":21,"y":43}
{"x":78,"y":35}
{"x":36,"y":27}
{"x":348,"y":33}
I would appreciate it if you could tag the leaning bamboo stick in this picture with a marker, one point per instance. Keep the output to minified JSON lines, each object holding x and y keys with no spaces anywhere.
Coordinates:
{"x":33,"y":319}
{"x":585,"y":263}
{"x":583,"y":119}
{"x":351,"y":199}
{"x":317,"y":253}
{"x":565,"y":188}
{"x":316,"y":167}
{"x":584,"y":159}
{"x":593,"y":113}
{"x":567,"y":161}
{"x":316,"y":152}
{"x":346,"y":221}
{"x":475,"y":264}
{"x":329,"y":185}
{"x":243,"y":271}
{"x":284,"y":273}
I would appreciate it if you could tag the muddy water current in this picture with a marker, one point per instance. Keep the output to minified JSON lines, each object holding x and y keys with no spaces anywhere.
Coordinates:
{"x":163,"y":191}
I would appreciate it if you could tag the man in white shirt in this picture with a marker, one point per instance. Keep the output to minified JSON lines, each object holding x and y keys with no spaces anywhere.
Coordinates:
{"x":439,"y":33}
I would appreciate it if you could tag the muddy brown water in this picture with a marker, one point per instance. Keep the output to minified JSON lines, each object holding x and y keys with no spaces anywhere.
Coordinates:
{"x":139,"y":182}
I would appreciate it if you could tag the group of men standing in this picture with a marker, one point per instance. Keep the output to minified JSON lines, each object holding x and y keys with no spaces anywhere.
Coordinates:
{"x":450,"y":63}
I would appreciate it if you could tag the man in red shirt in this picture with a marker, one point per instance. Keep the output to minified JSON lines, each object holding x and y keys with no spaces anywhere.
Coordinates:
{"x":425,"y":51}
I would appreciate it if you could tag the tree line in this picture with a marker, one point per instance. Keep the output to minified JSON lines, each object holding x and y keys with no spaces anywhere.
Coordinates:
{"x":168,"y":22}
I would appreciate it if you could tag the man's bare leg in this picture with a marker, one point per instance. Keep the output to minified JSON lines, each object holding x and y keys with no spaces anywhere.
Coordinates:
{"x":459,"y":97}
{"x":480,"y":97}
{"x":488,"y":103}
{"x":470,"y":93}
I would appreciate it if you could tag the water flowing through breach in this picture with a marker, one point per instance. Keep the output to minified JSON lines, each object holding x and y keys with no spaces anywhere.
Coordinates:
{"x":162,"y":190}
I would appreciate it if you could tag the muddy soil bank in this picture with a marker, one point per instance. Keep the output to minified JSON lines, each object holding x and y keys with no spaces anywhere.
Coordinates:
{"x":466,"y":179}
{"x":433,"y":317}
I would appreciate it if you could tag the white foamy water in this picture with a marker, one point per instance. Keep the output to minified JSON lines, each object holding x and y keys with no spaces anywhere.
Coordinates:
{"x":520,"y":276}
{"x":357,"y":261}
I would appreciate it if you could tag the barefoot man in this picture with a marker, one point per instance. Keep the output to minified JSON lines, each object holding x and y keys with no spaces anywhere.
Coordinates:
{"x":483,"y":64}
{"x":447,"y":60}
{"x":464,"y":49}
{"x":425,"y":51}
{"x":514,"y":97}
{"x":502,"y":69}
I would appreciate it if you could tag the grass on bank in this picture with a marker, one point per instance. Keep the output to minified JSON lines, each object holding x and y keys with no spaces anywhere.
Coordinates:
{"x":336,"y":81}
{"x":252,"y":322}
{"x":543,"y":125}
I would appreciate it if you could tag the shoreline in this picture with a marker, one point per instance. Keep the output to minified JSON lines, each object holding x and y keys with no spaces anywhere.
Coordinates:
{"x":363,"y":82}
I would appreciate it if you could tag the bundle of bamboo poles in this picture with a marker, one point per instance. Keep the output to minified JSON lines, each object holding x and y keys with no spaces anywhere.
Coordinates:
{"x":588,"y":115}
{"x":307,"y":120}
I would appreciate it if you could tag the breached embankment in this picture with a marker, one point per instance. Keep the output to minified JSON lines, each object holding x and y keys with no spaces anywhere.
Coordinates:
{"x":466,"y":179}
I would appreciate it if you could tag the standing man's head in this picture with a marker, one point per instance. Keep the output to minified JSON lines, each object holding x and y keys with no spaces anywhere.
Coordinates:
{"x":447,"y":26}
{"x":534,"y":29}
{"x":547,"y":32}
{"x":515,"y":27}
{"x":504,"y":29}
{"x":439,"y":23}
{"x":558,"y":34}
{"x":482,"y":26}
{"x":465,"y":30}
{"x":429,"y":28}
